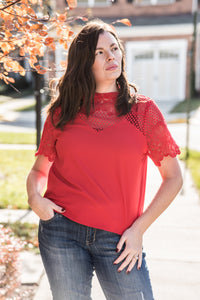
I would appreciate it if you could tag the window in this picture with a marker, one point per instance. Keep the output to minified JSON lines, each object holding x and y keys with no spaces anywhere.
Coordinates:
{"x":144,"y":55}
{"x":153,"y":2}
{"x":91,"y":3}
{"x":168,"y":55}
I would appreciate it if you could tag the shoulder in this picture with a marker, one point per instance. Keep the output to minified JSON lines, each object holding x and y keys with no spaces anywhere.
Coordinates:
{"x":53,"y":116}
{"x":146,"y":112}
{"x":144,"y":100}
{"x":143,"y":104}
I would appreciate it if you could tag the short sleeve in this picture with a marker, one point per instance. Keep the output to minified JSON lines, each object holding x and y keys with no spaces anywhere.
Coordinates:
{"x":159,"y":140}
{"x":48,"y":140}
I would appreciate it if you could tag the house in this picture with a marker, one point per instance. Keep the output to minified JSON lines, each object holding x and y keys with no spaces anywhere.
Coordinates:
{"x":159,"y":45}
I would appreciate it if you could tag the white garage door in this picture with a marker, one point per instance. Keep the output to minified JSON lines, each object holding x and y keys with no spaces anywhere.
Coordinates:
{"x":158,"y":68}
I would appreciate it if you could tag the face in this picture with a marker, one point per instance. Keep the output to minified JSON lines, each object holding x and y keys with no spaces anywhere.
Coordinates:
{"x":108,"y":61}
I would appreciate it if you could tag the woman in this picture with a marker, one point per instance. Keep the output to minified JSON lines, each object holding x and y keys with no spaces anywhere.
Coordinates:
{"x":93,"y":156}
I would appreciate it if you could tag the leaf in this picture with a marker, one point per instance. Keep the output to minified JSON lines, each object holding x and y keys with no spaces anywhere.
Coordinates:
{"x":48,"y":41}
{"x":72,"y":3}
{"x":65,"y":45}
{"x":31,"y":12}
{"x":59,"y":31}
{"x":63,"y":64}
{"x":32,"y":61}
{"x":35,"y":27}
{"x":33,"y":1}
{"x":42,"y":32}
{"x":71,"y":33}
{"x":41,"y":71}
{"x":22,"y":72}
{"x":21,"y":21}
{"x":8,"y":34}
{"x":124,"y":21}
{"x":5,"y":47}
{"x":62,"y":18}
{"x":61,"y":41}
{"x":22,"y":52}
{"x":10,"y":79}
{"x":53,"y":46}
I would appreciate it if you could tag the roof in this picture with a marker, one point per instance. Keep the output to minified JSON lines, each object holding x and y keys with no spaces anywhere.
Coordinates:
{"x":156,"y":20}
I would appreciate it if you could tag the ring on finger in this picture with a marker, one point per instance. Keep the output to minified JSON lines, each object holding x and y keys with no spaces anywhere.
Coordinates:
{"x":136,"y":257}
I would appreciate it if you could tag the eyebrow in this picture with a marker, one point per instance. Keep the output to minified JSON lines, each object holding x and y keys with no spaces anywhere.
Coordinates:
{"x":101,"y":48}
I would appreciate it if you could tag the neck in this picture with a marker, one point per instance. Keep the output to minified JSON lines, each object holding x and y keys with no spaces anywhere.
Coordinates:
{"x":109,"y":88}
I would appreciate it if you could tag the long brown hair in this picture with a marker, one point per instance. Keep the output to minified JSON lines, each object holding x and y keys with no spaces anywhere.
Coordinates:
{"x":77,"y":86}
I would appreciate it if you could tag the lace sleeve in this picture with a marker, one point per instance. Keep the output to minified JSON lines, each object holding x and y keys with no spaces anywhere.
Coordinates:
{"x":48,"y":140}
{"x":159,"y":140}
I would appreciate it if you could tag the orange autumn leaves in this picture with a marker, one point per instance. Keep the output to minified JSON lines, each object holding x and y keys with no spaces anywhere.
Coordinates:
{"x":24,"y":35}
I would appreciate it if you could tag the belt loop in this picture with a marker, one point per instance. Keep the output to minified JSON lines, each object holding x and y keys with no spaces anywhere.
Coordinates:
{"x":90,"y":235}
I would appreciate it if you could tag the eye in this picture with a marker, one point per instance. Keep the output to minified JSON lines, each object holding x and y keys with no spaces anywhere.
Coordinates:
{"x":99,"y":52}
{"x":115,"y":48}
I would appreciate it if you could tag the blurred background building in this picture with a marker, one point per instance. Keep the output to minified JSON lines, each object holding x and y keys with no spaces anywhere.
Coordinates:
{"x":162,"y":51}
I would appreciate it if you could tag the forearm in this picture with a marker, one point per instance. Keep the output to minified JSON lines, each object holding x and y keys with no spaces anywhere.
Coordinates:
{"x":164,"y":196}
{"x":36,"y":182}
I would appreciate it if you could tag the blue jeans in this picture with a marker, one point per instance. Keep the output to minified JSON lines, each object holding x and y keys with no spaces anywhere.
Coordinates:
{"x":71,"y":252}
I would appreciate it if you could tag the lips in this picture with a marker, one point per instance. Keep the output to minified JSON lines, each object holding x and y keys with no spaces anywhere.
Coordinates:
{"x":111,"y":67}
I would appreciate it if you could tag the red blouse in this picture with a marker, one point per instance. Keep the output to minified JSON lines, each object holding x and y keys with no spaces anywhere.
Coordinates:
{"x":99,"y":163}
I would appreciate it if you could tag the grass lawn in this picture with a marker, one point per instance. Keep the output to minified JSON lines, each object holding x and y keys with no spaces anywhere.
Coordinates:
{"x":14,"y":167}
{"x":17,"y":138}
{"x":194,"y":166}
{"x":181,"y":107}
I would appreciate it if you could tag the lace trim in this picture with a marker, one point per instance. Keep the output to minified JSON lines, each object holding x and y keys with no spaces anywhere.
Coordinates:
{"x":48,"y":139}
{"x":147,"y":118}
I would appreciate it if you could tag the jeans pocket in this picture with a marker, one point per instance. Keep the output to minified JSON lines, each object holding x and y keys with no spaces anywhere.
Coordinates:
{"x":51,"y":219}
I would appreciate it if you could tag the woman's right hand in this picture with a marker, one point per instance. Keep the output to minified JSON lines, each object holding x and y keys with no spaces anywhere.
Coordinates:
{"x":36,"y":181}
{"x":44,"y":207}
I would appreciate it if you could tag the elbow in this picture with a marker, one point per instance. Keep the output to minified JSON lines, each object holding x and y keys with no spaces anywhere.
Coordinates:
{"x":180,"y":182}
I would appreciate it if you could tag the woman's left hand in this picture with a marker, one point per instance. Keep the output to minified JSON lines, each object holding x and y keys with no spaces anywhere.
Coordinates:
{"x":132,"y":253}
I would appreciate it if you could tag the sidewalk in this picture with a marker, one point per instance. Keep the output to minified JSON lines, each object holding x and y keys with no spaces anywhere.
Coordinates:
{"x":173,"y":243}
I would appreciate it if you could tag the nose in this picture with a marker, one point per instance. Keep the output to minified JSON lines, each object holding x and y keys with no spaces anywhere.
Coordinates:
{"x":110,"y":55}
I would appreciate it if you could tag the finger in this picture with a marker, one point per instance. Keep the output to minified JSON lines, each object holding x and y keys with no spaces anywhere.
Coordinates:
{"x":120,"y":243}
{"x":57,"y":208}
{"x":139,"y":261}
{"x":121,"y":257}
{"x":127,"y":261}
{"x":131,"y":265}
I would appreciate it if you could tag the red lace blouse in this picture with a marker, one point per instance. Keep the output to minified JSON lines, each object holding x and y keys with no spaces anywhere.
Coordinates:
{"x":99,"y":163}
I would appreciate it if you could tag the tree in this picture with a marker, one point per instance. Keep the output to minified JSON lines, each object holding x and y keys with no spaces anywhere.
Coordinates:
{"x":26,"y":35}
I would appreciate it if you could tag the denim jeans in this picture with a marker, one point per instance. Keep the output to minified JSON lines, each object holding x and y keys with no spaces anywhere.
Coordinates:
{"x":71,"y":252}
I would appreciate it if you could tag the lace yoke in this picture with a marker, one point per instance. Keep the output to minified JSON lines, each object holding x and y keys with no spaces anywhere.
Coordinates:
{"x":103,"y":114}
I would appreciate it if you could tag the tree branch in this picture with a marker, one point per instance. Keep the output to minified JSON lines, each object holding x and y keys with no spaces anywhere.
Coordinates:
{"x":17,"y":1}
